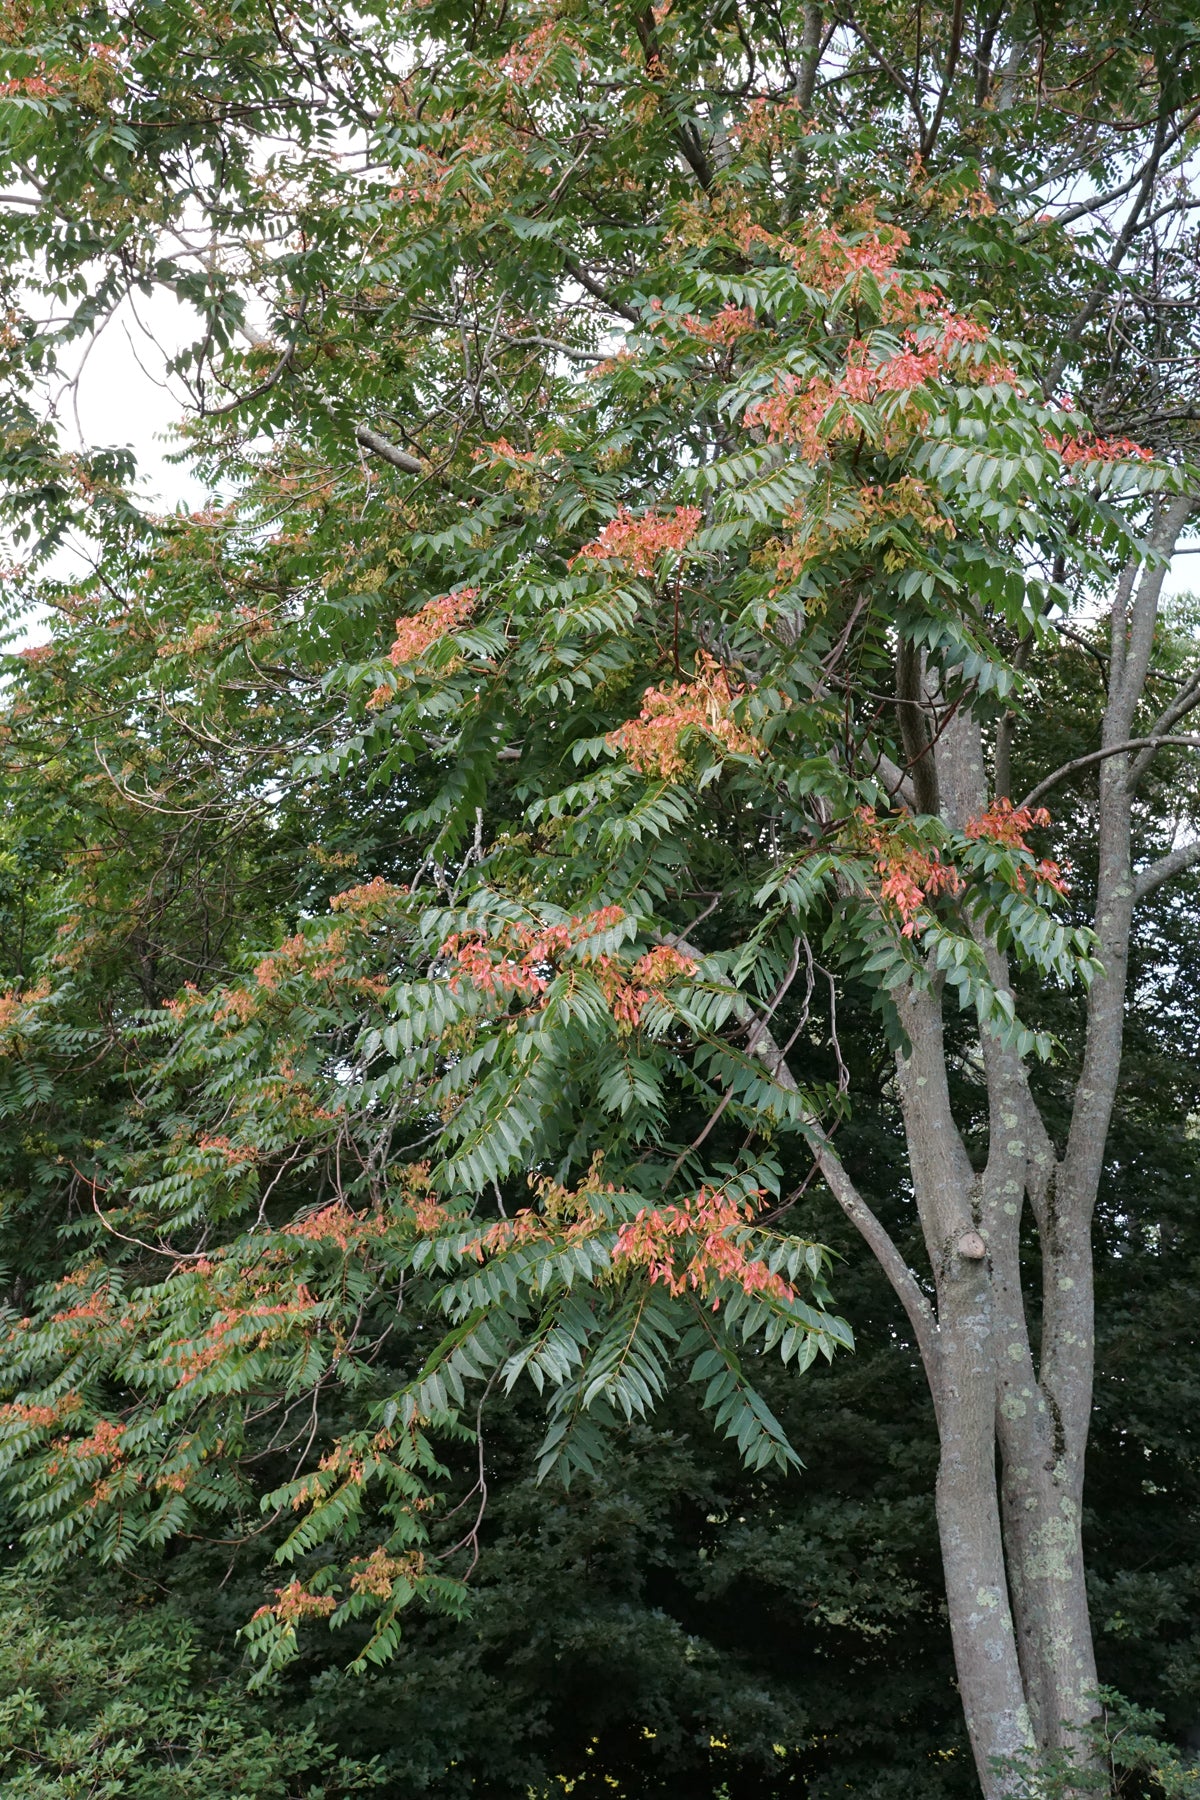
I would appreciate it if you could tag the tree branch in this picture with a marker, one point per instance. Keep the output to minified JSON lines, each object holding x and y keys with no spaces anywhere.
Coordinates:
{"x":906,"y":87}
{"x":593,"y":287}
{"x":910,"y":710}
{"x":762,"y":1044}
{"x":1134,"y":624}
{"x":1091,"y":305}
{"x":1176,"y":862}
{"x":686,"y":136}
{"x":929,"y":137}
{"x":545,"y":343}
{"x":1185,"y":701}
{"x":896,"y":781}
{"x":399,"y":459}
{"x":882,"y":1246}
{"x":1148,"y":744}
{"x":1083,"y":207}
{"x":810,"y":56}
{"x":875,"y":1235}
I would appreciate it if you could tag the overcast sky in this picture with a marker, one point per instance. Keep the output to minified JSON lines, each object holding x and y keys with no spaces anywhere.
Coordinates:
{"x":125,"y":397}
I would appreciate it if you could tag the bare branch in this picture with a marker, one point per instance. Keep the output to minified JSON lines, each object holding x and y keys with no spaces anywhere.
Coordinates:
{"x":1147,"y":744}
{"x":1176,"y":862}
{"x":875,"y":1235}
{"x":906,"y":87}
{"x":399,"y":459}
{"x":882,"y":1246}
{"x":1096,"y":204}
{"x":897,"y":783}
{"x":1134,"y":624}
{"x":1091,"y":305}
{"x":908,"y":1291}
{"x":1185,"y":701}
{"x":595,"y":288}
{"x":545,"y":343}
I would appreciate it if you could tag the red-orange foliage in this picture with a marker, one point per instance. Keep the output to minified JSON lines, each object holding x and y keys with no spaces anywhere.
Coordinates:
{"x":1008,"y":824}
{"x":367,"y":896}
{"x":338,"y":1224}
{"x":1091,"y":449}
{"x":527,"y":953}
{"x":379,"y":1573}
{"x":690,"y":1246}
{"x":796,"y":411}
{"x":216,"y":1341}
{"x":826,"y":259}
{"x":527,"y":958}
{"x":909,"y":875}
{"x":520,"y":970}
{"x":94,"y":1310}
{"x":31,"y":87}
{"x":435,"y":619}
{"x":13,"y":1004}
{"x":652,"y":741}
{"x":626,"y":993}
{"x":36,"y":1416}
{"x":730,"y":324}
{"x":235,"y":1155}
{"x":293,"y":1603}
{"x":104,"y":1442}
{"x":641,"y":540}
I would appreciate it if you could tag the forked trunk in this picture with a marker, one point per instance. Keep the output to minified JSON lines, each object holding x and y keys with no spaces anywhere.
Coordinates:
{"x":1013,"y":1427}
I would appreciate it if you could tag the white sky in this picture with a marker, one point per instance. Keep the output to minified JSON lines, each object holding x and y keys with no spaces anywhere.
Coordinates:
{"x":125,"y":396}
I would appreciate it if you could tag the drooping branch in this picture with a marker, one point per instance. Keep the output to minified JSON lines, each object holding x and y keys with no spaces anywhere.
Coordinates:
{"x":762,"y":1044}
{"x":883,"y":1247}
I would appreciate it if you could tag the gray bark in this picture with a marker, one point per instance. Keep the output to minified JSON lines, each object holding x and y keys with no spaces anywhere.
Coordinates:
{"x":1042,"y":1408}
{"x":1013,"y":1427}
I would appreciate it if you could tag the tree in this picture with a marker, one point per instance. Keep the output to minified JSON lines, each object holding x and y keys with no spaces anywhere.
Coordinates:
{"x":111,"y":1700}
{"x":690,"y":388}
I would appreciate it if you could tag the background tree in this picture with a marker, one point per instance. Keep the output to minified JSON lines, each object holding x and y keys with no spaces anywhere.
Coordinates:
{"x":112,"y":1701}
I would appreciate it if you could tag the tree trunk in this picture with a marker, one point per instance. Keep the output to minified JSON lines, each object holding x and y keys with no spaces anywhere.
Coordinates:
{"x":990,"y":1678}
{"x":1013,"y":1427}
